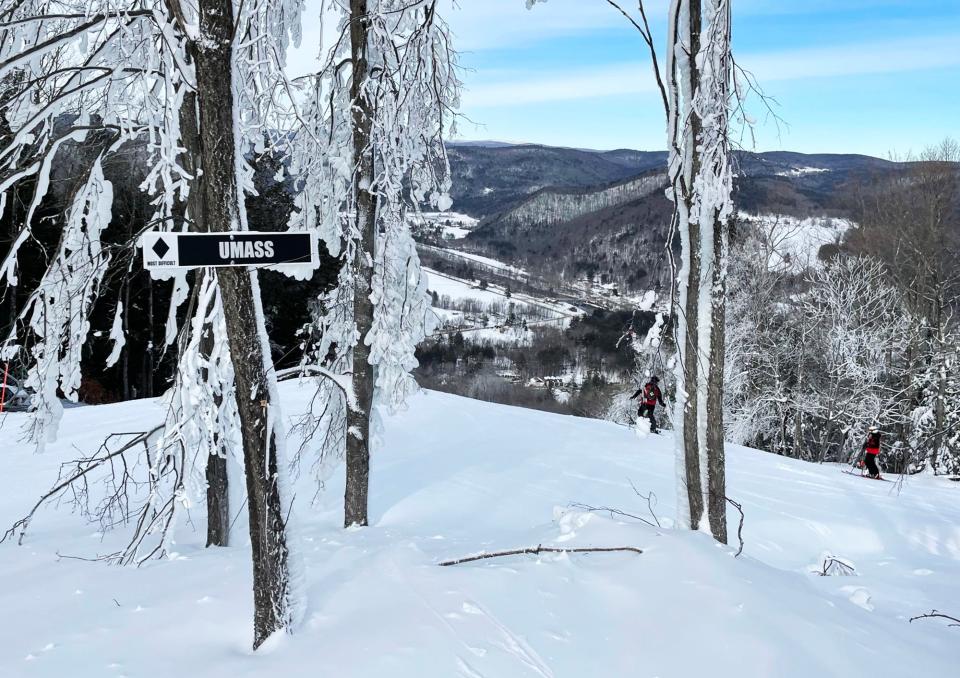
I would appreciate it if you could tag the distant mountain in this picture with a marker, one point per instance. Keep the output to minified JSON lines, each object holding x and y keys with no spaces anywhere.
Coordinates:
{"x":482,"y":143}
{"x":569,"y":212}
{"x":613,"y":233}
{"x":551,"y":206}
{"x":489,"y":177}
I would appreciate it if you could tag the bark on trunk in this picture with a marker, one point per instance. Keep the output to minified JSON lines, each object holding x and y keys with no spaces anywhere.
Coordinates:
{"x":716,"y":459}
{"x":218,"y":497}
{"x":238,"y":290}
{"x":218,"y":505}
{"x":365,"y":211}
{"x":691,"y":377}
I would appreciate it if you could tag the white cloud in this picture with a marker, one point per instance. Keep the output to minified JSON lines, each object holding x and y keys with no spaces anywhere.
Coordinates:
{"x":607,"y":80}
{"x":897,"y":56}
{"x":890,"y":56}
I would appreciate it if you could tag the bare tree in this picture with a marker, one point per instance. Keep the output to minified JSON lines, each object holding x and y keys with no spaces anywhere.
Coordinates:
{"x":697,"y":98}
{"x":122,"y":70}
{"x":911,"y":222}
{"x":382,"y":104}
{"x":363,"y":93}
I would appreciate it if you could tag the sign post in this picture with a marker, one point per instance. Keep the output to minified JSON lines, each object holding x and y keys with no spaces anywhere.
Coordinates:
{"x":163,"y":250}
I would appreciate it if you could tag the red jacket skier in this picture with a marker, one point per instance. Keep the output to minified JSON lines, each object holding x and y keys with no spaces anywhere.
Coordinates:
{"x":651,"y":396}
{"x":871,"y":449}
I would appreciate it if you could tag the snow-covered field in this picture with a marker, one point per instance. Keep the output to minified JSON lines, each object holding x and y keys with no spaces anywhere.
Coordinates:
{"x":455,"y":477}
{"x":459,"y":289}
{"x":454,"y":224}
{"x":534,"y":310}
{"x":495,"y":264}
{"x":801,"y":171}
{"x":795,"y":243}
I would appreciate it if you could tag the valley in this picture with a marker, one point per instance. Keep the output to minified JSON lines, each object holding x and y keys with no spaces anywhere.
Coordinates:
{"x":544,"y":242}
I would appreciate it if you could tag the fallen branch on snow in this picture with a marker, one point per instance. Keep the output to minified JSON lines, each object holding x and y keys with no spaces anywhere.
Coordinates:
{"x":934,"y":614}
{"x":537,"y":551}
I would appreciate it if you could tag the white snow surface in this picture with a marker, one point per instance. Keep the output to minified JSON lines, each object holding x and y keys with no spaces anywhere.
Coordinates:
{"x":495,"y":264}
{"x":460,"y":289}
{"x":795,"y":243}
{"x":456,"y":477}
{"x":801,"y":171}
{"x":455,"y":225}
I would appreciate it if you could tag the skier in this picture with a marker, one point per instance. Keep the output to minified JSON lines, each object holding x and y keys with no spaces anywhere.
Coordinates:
{"x":871,"y":448}
{"x":651,"y":396}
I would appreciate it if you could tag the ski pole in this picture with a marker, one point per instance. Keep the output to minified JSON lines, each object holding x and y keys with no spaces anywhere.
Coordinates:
{"x":3,"y":391}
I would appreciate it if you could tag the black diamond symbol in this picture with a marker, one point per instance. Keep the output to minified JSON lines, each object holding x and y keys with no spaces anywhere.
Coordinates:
{"x":160,"y":247}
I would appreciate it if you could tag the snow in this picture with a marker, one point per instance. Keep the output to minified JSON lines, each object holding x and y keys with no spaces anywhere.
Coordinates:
{"x":459,"y":289}
{"x":455,"y":225}
{"x":458,"y":477}
{"x":455,"y":232}
{"x":501,"y":336}
{"x":795,"y":243}
{"x":801,"y":171}
{"x":490,"y":325}
{"x":477,"y":258}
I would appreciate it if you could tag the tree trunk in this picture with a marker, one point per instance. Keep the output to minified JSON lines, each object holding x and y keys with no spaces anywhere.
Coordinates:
{"x":11,"y":292}
{"x":239,"y":290}
{"x":148,"y":367}
{"x":701,"y":219}
{"x":218,"y":496}
{"x":125,"y":356}
{"x":689,"y":490}
{"x":939,"y":407}
{"x":365,"y":212}
{"x":691,"y":378}
{"x":716,"y":459}
{"x":218,"y":499}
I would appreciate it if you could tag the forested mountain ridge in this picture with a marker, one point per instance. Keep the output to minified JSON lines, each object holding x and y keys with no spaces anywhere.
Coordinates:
{"x":552,"y":205}
{"x":488,"y":177}
{"x":544,"y":207}
{"x":614,"y":234}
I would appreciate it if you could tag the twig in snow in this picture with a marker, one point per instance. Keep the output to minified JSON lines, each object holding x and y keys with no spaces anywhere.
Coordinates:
{"x":98,"y":559}
{"x":537,"y":551}
{"x":833,"y":565}
{"x":612,"y":511}
{"x":651,"y":501}
{"x":934,"y":614}
{"x":740,"y":526}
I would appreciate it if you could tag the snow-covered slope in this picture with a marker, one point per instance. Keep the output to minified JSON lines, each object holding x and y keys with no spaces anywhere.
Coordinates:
{"x":455,"y":477}
{"x":795,"y":243}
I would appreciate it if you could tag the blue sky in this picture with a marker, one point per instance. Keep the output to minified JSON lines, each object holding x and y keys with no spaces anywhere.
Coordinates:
{"x":853,"y":76}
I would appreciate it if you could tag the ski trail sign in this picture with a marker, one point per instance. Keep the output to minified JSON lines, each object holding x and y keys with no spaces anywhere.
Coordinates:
{"x":163,"y":251}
